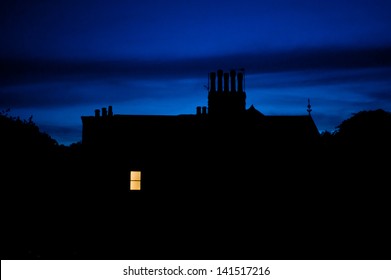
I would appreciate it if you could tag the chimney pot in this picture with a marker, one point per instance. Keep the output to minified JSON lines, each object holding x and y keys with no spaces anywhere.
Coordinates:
{"x":212,"y":82}
{"x":240,"y":82}
{"x":233,"y":81}
{"x":104,"y":112}
{"x":226,"y":82}
{"x":220,"y":80}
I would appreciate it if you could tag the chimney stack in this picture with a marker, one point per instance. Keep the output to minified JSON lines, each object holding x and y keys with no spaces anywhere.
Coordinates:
{"x":97,"y":113}
{"x":204,"y":110}
{"x":110,"y":111}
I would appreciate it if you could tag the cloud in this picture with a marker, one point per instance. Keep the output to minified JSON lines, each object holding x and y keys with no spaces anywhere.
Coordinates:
{"x":320,"y":77}
{"x":72,"y":93}
{"x":382,"y":95}
{"x":44,"y":83}
{"x":16,"y":71}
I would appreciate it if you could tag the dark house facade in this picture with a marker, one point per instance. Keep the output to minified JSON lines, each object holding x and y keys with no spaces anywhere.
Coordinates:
{"x":222,"y":146}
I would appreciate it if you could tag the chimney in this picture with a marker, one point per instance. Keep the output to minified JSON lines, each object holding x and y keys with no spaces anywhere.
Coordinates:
{"x":97,"y":113}
{"x":219,"y":80}
{"x":204,"y":110}
{"x":198,"y":110}
{"x":104,"y":112}
{"x":212,"y":82}
{"x":240,"y":82}
{"x":226,"y":82}
{"x":110,"y":111}
{"x":233,"y":80}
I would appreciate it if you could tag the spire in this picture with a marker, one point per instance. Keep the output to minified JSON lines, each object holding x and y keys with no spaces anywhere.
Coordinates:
{"x":309,"y":107}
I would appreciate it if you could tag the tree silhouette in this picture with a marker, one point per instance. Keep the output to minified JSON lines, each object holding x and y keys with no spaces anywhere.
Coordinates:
{"x":371,"y":127}
{"x":39,"y":178}
{"x":24,"y":136}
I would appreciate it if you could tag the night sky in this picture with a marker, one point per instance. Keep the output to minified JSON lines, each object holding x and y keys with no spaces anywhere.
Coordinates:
{"x":64,"y":59}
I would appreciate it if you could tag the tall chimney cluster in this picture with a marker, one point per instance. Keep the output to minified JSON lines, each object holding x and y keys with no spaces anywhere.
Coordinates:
{"x":229,"y":98}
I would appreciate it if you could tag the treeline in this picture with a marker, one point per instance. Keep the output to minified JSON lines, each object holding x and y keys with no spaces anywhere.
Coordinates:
{"x":32,"y":160}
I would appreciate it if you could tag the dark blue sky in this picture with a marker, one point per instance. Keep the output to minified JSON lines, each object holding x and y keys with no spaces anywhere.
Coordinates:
{"x":63,"y":59}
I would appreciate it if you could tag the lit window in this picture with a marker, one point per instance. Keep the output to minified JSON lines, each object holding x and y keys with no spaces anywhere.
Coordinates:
{"x":135,"y":180}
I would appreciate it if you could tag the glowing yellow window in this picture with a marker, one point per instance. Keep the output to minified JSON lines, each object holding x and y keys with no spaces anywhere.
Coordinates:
{"x":135,"y":180}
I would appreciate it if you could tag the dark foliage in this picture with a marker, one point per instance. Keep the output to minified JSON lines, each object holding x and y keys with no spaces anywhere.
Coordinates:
{"x":367,"y":128}
{"x":38,"y":179}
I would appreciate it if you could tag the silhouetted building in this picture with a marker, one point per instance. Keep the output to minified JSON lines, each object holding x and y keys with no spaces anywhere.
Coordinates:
{"x":224,"y":145}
